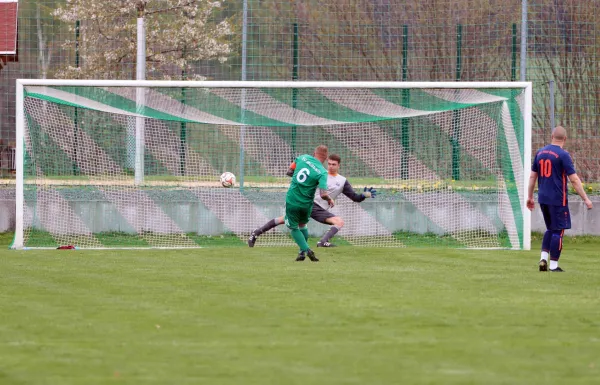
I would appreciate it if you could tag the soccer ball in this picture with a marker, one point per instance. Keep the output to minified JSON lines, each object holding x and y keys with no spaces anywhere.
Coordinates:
{"x":227,"y":179}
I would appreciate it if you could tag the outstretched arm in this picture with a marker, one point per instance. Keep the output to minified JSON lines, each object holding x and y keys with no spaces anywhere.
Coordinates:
{"x":532,"y":182}
{"x":576,"y":182}
{"x":350,"y":193}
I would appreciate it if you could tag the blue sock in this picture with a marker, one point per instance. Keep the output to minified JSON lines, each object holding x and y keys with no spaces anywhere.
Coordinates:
{"x":546,"y":240}
{"x":556,"y":244}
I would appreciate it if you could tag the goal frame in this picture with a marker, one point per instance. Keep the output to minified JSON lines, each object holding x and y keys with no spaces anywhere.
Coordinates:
{"x":18,"y":242}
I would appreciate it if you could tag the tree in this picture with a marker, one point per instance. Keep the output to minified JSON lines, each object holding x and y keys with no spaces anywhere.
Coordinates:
{"x":363,"y":39}
{"x":179,"y":33}
{"x":46,"y":49}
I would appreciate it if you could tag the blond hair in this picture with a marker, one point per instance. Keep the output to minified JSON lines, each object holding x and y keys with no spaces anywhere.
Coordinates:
{"x":321,"y":152}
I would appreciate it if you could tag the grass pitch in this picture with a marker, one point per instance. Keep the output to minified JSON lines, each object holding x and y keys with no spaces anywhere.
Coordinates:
{"x":254,"y":316}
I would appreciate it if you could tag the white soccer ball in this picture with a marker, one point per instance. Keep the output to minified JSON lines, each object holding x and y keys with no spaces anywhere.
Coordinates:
{"x":227,"y":179}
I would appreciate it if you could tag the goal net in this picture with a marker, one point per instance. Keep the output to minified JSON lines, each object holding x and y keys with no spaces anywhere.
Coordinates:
{"x":105,"y":164}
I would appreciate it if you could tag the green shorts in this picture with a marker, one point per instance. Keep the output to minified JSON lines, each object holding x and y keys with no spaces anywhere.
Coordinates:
{"x":295,"y":215}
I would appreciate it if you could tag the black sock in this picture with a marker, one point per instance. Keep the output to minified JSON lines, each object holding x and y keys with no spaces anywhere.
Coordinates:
{"x":266,"y":227}
{"x":330,"y":234}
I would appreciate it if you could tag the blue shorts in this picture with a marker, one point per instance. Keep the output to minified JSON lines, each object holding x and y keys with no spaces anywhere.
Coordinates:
{"x":556,"y":217}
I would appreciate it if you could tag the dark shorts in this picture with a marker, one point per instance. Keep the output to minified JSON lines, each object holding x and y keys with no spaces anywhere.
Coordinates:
{"x":319,"y":214}
{"x":556,"y":217}
{"x":296,"y":216}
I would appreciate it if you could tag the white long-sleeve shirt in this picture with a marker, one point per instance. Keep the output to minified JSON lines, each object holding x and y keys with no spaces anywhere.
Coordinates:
{"x":337,"y":185}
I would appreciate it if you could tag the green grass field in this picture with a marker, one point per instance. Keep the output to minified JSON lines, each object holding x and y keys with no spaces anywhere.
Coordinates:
{"x":254,"y":316}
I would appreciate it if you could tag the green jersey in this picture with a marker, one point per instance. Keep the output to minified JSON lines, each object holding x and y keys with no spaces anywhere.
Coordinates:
{"x":309,"y":175}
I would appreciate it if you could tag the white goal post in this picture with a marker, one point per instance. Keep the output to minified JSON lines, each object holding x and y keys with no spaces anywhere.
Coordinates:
{"x":451,"y":161}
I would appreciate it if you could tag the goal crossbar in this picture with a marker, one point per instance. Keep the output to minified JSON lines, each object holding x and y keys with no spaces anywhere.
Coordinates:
{"x":270,"y":84}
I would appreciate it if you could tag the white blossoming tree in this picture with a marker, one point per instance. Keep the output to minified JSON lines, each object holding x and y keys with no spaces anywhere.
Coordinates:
{"x":178,"y":34}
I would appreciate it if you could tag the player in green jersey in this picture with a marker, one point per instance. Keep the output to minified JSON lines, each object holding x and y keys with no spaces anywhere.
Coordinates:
{"x":307,"y":174}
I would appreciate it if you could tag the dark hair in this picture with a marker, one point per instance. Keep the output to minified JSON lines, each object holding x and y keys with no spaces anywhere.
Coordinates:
{"x":336,"y":158}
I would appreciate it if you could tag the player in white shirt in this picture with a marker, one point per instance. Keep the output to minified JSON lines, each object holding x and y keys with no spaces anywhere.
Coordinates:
{"x":336,"y":184}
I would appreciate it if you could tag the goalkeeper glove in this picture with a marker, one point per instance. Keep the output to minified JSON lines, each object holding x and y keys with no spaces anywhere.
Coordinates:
{"x":369,"y":192}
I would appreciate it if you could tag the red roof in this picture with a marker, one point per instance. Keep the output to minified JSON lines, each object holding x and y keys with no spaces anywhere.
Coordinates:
{"x":8,"y":27}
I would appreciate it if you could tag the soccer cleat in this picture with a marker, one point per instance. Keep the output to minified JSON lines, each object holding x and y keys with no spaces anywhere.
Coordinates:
{"x":557,"y":270}
{"x":300,"y":257}
{"x":252,"y":240}
{"x":325,"y":244}
{"x":312,"y":256}
{"x":543,"y":265}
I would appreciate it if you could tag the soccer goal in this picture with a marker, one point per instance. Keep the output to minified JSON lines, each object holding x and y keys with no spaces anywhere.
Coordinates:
{"x":136,"y":164}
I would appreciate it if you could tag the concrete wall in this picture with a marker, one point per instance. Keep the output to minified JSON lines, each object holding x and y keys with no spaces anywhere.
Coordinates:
{"x":395,"y":216}
{"x":7,"y":215}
